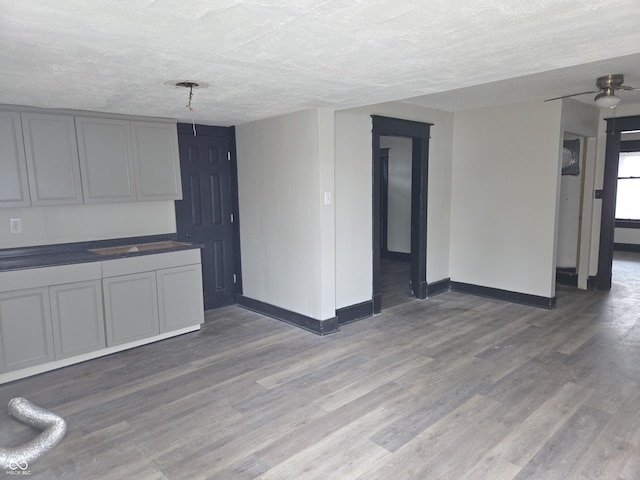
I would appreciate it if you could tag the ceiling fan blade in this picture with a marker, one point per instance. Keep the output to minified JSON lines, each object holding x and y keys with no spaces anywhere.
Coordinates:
{"x":572,"y":95}
{"x":624,"y":87}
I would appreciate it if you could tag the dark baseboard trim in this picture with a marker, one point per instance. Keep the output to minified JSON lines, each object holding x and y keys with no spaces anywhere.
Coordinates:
{"x":509,"y":296}
{"x":626,"y":247}
{"x":377,"y":303}
{"x":441,"y":286}
{"x":421,"y":292}
{"x":320,"y":327}
{"x":567,"y":278}
{"x":398,"y":256}
{"x":354,"y":312}
{"x":592,"y":282}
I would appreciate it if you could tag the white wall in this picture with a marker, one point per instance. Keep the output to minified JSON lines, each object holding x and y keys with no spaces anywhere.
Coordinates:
{"x":353,"y":212}
{"x":506,"y":172}
{"x":354,"y":247}
{"x":399,"y":193}
{"x":285,"y":164}
{"x":79,"y":223}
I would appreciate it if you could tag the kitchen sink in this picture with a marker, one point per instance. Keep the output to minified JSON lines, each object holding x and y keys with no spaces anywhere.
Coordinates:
{"x":139,"y":247}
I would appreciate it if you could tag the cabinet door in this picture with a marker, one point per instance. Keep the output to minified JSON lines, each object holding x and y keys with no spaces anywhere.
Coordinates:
{"x":77,"y":318}
{"x":131,"y":307}
{"x":180,"y":302}
{"x":25,"y":329}
{"x":106,"y":161}
{"x":52,"y":159}
{"x":155,"y":149}
{"x":14,"y":189}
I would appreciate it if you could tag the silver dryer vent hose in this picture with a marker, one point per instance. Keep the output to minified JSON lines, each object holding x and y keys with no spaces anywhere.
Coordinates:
{"x":53,"y":429}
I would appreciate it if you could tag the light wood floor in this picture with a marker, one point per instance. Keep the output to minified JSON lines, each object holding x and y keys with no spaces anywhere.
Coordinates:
{"x":453,"y":387}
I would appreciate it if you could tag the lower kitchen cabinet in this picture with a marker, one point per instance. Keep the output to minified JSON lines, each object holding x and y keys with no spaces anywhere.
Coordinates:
{"x":77,"y":318}
{"x":55,"y":316}
{"x":25,"y":329}
{"x":131,"y":307}
{"x":180,"y":297}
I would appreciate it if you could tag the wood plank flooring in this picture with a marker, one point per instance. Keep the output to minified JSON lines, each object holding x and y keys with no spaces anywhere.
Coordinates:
{"x":394,"y":282}
{"x":453,"y":387}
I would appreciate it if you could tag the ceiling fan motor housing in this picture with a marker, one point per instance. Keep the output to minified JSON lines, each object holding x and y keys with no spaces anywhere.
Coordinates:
{"x":610,"y":82}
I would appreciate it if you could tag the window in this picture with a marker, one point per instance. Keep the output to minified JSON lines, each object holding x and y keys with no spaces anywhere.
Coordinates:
{"x":628,"y":196}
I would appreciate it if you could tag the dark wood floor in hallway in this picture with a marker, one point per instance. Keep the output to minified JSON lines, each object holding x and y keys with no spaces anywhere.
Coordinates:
{"x":452,"y":387}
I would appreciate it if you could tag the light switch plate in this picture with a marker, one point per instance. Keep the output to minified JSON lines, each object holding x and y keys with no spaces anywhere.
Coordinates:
{"x":15,"y":225}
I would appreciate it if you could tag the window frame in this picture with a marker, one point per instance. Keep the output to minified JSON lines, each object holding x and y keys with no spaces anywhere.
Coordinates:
{"x":628,"y":146}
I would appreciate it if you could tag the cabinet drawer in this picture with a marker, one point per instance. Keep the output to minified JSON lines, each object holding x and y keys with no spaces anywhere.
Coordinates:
{"x":148,"y":263}
{"x":45,"y":276}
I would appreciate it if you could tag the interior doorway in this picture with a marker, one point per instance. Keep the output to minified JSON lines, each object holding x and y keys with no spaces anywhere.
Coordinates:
{"x":572,"y":186}
{"x":395,"y":219}
{"x":615,"y":128}
{"x":418,"y":134}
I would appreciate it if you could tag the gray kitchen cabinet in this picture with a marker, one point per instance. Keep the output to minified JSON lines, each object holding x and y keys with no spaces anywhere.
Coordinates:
{"x":53,"y":316}
{"x":106,"y":160}
{"x":155,"y":149}
{"x":14,"y":186}
{"x":51,"y":152}
{"x":77,"y":318}
{"x":25,"y":329}
{"x":180,"y":297}
{"x":131,"y":307}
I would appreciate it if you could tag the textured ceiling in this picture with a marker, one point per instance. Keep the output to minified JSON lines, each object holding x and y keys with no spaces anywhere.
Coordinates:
{"x":266,"y":57}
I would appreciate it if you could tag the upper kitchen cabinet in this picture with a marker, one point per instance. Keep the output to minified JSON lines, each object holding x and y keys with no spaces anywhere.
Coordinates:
{"x":155,"y":149}
{"x":106,"y":160}
{"x":14,"y":187}
{"x":49,"y":158}
{"x":52,"y":159}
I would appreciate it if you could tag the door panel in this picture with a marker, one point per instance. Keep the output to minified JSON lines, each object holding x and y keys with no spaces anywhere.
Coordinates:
{"x":205,"y":213}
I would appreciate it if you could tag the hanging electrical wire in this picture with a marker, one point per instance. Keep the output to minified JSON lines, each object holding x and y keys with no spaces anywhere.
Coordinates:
{"x":188,"y":105}
{"x":191,"y":85}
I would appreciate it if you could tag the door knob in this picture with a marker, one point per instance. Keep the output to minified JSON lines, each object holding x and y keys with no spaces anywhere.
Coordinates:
{"x":188,"y":235}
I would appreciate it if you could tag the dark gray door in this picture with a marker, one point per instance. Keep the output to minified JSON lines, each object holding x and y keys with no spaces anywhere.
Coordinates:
{"x":205,"y":214}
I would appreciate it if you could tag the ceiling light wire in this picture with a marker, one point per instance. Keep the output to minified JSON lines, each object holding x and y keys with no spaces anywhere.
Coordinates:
{"x":190,"y":84}
{"x":188,"y":105}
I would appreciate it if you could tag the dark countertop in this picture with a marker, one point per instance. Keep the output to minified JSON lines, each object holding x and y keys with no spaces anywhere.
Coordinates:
{"x":70,"y":253}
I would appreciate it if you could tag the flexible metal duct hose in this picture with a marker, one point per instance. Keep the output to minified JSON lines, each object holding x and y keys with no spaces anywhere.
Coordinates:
{"x":53,"y":426}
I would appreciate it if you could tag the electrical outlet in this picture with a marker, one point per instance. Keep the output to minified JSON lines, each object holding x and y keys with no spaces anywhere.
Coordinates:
{"x":15,"y":225}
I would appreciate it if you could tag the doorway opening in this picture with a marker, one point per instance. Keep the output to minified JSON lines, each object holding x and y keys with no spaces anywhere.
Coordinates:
{"x":395,"y":219}
{"x":615,"y":128}
{"x":572,"y":187}
{"x":417,"y":133}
